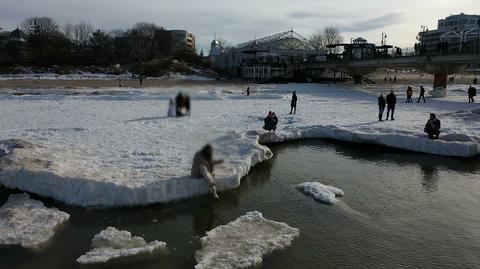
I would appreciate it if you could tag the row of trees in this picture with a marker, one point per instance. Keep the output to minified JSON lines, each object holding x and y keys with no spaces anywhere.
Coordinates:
{"x":48,"y":42}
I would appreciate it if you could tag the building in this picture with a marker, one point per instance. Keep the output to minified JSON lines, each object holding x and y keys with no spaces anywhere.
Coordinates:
{"x":456,"y":33}
{"x":170,"y":42}
{"x":265,"y":59}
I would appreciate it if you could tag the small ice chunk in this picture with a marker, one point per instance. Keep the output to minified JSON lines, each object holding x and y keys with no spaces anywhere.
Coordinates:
{"x":242,"y":243}
{"x":27,"y":222}
{"x":112,"y":244}
{"x":320,"y":192}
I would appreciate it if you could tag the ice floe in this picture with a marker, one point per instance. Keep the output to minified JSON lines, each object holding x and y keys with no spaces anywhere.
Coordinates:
{"x":320,"y":192}
{"x":243,"y":242}
{"x":122,"y":150}
{"x":27,"y":222}
{"x":111,"y":244}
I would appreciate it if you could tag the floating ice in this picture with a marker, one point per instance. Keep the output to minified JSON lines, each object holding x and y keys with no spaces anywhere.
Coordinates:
{"x":28,"y":222}
{"x":321,"y":193}
{"x":243,"y":242}
{"x":112,"y":244}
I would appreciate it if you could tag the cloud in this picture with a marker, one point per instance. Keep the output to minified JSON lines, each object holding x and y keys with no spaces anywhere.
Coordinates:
{"x":384,"y":21}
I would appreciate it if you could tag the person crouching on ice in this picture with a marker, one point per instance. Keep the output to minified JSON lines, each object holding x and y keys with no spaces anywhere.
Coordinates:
{"x":202,"y":167}
{"x":432,"y":128}
{"x":270,"y":122}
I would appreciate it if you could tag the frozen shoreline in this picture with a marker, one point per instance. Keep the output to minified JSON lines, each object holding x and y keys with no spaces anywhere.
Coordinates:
{"x":111,"y":151}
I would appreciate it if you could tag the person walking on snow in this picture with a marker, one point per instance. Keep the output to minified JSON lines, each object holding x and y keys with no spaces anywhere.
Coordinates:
{"x":293,"y":104}
{"x":202,"y":167}
{"x":471,"y":93}
{"x":422,"y":94}
{"x":391,"y":102}
{"x":432,"y":128}
{"x":381,"y":107}
{"x":248,"y":91}
{"x":409,"y":95}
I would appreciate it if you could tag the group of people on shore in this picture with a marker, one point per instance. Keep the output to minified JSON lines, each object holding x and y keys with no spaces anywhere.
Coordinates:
{"x":180,"y":106}
{"x":421,"y":95}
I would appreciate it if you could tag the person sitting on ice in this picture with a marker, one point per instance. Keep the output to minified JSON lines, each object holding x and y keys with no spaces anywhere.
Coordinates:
{"x":381,"y":107}
{"x":202,"y":167}
{"x":432,"y":128}
{"x":171,"y":108}
{"x":270,"y":122}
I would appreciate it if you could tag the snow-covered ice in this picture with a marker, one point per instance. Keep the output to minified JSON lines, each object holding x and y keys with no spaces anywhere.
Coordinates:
{"x":27,"y":222}
{"x":111,"y":244}
{"x":119,"y":148}
{"x":322,"y":193}
{"x":242,"y":243}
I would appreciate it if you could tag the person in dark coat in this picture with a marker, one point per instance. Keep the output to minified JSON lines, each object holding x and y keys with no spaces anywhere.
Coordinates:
{"x":409,"y":95}
{"x":471,"y":93}
{"x":248,"y":91}
{"x":422,"y":94}
{"x":432,"y":128}
{"x":293,"y":104}
{"x":391,"y":102}
{"x":270,"y":122}
{"x":381,"y":107}
{"x":180,"y":102}
{"x":475,"y":81}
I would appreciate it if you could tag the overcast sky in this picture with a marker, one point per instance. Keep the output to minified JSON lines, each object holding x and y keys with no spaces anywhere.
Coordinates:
{"x":243,"y":20}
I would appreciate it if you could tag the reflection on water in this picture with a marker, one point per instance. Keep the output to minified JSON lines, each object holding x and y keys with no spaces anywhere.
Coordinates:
{"x":400,"y":210}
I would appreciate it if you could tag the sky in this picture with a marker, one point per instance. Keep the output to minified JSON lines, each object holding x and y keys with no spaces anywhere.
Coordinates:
{"x":238,"y":21}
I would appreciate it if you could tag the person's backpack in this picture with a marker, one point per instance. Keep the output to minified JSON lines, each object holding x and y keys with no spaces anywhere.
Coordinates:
{"x":474,"y":91}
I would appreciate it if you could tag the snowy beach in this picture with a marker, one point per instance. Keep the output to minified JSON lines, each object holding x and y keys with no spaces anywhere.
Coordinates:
{"x":118,"y":148}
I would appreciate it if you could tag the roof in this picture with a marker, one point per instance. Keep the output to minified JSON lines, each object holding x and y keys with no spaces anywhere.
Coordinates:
{"x":17,"y":33}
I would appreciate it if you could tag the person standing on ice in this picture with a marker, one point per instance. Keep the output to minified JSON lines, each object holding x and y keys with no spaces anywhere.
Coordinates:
{"x":409,"y":95}
{"x":293,"y":104}
{"x":471,"y":93}
{"x":391,"y":102}
{"x":422,"y":94}
{"x":248,"y":91}
{"x":432,"y":128}
{"x":202,"y":167}
{"x":171,"y":108}
{"x":381,"y":107}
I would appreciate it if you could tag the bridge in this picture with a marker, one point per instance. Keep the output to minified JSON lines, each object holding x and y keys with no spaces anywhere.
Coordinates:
{"x":440,"y":65}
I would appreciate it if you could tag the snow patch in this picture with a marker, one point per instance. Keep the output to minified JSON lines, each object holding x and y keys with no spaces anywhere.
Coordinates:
{"x":242,"y":243}
{"x":27,"y":222}
{"x":111,"y":244}
{"x":321,"y":193}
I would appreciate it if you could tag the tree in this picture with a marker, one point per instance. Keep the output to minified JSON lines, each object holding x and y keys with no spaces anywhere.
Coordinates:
{"x":321,"y":39}
{"x":67,"y":29}
{"x":145,"y":29}
{"x":40,"y":25}
{"x":81,"y":34}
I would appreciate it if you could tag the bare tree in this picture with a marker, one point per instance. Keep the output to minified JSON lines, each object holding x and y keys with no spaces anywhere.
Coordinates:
{"x":321,"y":39}
{"x":145,"y":29}
{"x":332,"y":36}
{"x":316,"y":41}
{"x":40,"y":25}
{"x":82,"y":33}
{"x":67,"y":29}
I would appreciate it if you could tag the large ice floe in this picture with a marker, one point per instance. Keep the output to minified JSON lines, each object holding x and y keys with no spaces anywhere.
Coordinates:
{"x":118,"y":148}
{"x":112,"y":244}
{"x":242,"y":243}
{"x":322,"y":193}
{"x":27,"y":222}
